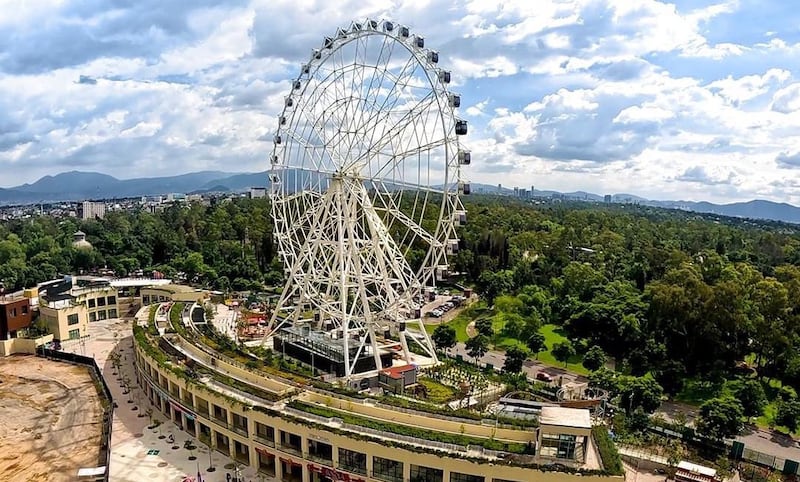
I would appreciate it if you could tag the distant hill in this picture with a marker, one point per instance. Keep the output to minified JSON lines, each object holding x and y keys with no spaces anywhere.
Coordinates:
{"x":77,"y":185}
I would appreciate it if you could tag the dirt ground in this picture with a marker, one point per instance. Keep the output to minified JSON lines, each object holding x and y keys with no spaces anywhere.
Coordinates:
{"x":51,"y":420}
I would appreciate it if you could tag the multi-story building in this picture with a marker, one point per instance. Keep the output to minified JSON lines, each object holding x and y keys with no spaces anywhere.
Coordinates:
{"x":92,"y":210}
{"x":172,"y":292}
{"x":65,"y":319}
{"x":100,"y":301}
{"x":257,"y":192}
{"x":15,"y":314}
{"x":306,"y":440}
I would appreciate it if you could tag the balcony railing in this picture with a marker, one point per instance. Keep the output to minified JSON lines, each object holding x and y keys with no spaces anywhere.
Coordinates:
{"x":386,"y":477}
{"x":323,"y":459}
{"x":240,"y":430}
{"x":264,"y":441}
{"x":290,"y":450}
{"x":353,"y":469}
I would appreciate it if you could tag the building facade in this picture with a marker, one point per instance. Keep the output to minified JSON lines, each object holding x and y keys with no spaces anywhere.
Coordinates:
{"x":172,"y":292}
{"x":92,"y":210}
{"x":100,"y":302}
{"x":65,"y":319}
{"x":292,"y":446}
{"x":15,"y":314}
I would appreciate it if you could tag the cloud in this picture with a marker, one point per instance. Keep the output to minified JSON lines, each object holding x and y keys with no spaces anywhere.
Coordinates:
{"x":651,"y":97}
{"x":700,"y":175}
{"x":791,"y":161}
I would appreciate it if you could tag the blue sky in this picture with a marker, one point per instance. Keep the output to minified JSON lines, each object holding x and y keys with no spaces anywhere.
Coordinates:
{"x":687,"y":100}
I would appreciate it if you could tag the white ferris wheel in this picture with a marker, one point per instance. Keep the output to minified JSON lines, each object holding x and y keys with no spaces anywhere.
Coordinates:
{"x":365,"y":181}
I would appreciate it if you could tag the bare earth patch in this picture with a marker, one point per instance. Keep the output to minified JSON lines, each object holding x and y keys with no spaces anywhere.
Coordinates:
{"x":52,"y":420}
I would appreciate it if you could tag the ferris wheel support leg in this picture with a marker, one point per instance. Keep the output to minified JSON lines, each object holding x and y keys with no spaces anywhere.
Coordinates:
{"x":404,"y":344}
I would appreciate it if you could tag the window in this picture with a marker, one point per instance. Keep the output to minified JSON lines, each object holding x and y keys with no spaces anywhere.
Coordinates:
{"x":265,"y":432}
{"x":352,"y":461}
{"x":74,"y":334}
{"x":93,"y":316}
{"x":426,"y":474}
{"x":112,"y":313}
{"x":458,"y":477}
{"x":92,"y":303}
{"x":101,"y":301}
{"x":13,"y":312}
{"x":72,"y":319}
{"x":112,"y":300}
{"x":101,"y":315}
{"x":561,"y":446}
{"x":24,"y":310}
{"x":387,"y":469}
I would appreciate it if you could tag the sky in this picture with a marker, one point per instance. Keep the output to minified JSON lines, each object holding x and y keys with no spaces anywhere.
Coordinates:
{"x":693,"y":100}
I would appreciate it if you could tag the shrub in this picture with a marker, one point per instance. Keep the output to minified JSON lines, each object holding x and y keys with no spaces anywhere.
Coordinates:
{"x":607,"y":450}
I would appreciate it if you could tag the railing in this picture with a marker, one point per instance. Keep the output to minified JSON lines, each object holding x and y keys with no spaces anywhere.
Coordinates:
{"x":264,"y":441}
{"x":321,"y":459}
{"x":290,"y":450}
{"x":353,"y":469}
{"x":220,"y":422}
{"x":240,"y":430}
{"x":385,"y":477}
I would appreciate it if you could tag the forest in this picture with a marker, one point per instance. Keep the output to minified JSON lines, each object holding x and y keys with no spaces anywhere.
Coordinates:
{"x":676,"y":296}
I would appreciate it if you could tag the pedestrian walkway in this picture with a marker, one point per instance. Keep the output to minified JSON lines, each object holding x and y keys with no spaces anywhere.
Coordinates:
{"x":139,"y":453}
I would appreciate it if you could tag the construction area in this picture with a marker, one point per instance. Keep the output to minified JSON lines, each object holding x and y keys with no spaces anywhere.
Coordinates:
{"x":52,"y":419}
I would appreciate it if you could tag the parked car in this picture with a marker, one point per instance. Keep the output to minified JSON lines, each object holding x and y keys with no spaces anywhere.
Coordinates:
{"x":544,"y":377}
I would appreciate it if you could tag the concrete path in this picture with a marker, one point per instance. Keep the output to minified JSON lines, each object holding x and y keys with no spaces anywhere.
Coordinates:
{"x":131,"y":441}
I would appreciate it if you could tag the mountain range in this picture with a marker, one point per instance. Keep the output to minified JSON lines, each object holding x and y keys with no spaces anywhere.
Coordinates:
{"x":76,"y":186}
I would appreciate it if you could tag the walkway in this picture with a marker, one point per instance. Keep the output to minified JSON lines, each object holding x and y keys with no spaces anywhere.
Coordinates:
{"x":137,"y":453}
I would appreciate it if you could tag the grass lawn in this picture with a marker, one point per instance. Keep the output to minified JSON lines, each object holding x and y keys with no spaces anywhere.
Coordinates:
{"x":437,"y":392}
{"x":552,"y":335}
{"x":460,"y":322}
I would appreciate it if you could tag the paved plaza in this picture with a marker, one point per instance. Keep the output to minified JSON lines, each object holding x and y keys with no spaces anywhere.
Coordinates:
{"x":138,"y":453}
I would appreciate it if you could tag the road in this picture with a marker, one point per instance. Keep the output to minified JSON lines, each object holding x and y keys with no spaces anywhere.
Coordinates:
{"x":531,"y":367}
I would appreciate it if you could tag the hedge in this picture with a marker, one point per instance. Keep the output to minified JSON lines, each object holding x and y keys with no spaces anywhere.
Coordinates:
{"x":608,"y":451}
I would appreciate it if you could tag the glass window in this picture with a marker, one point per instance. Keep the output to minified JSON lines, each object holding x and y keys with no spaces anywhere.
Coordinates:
{"x":112,"y":300}
{"x":387,"y":469}
{"x":426,"y":474}
{"x":101,"y":301}
{"x":74,"y":334}
{"x":561,"y":446}
{"x":101,"y":315}
{"x":93,"y":316}
{"x":458,"y":477}
{"x":352,"y":461}
{"x":112,"y":313}
{"x":72,"y":319}
{"x":92,"y":303}
{"x":24,"y":310}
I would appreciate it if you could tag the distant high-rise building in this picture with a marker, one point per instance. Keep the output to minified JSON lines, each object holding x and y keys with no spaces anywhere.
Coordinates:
{"x":258,"y":192}
{"x":92,"y":210}
{"x":607,"y":198}
{"x":532,"y":190}
{"x":499,"y":188}
{"x":516,"y":192}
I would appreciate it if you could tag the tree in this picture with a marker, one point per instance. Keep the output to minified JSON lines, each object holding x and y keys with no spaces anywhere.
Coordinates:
{"x":444,"y":336}
{"x":720,"y":418}
{"x":536,"y":343}
{"x":477,"y":347}
{"x":563,"y":351}
{"x":638,"y":392}
{"x":605,"y":379}
{"x":515,"y":358}
{"x":484,"y":327}
{"x":788,"y":414}
{"x":752,"y":397}
{"x":594,"y":358}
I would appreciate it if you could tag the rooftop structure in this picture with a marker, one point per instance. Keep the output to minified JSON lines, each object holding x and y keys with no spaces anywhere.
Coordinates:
{"x":690,"y":472}
{"x":79,"y":241}
{"x":566,"y":417}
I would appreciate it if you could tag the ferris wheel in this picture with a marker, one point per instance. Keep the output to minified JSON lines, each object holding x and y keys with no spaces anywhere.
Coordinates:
{"x":365,"y":183}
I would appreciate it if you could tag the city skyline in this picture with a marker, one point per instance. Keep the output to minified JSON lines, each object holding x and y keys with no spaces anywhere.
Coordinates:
{"x":684,"y":100}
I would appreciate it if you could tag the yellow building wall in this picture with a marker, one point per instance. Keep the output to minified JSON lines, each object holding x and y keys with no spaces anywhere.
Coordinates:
{"x":496,"y":471}
{"x":57,"y":320}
